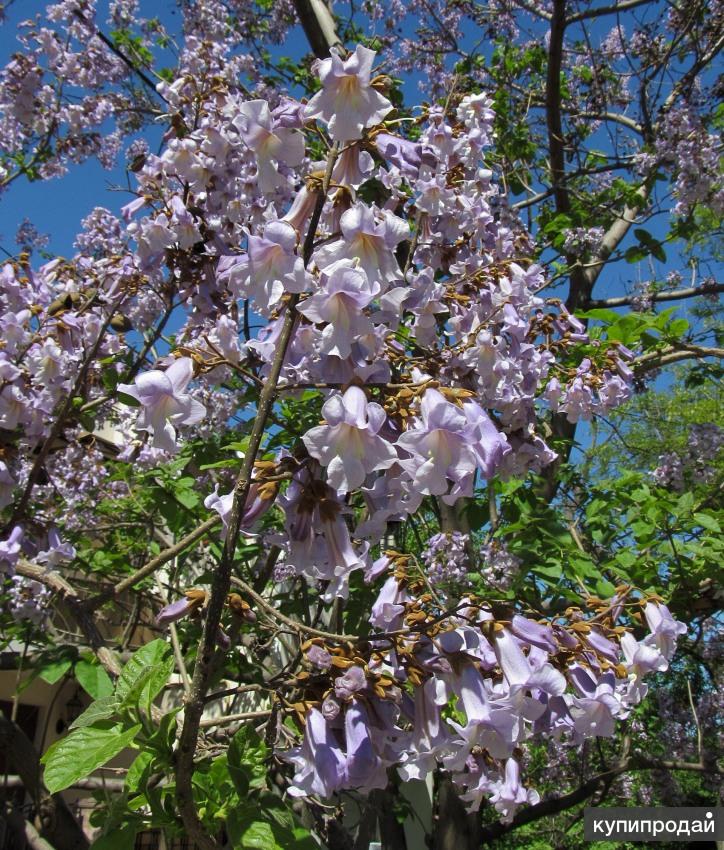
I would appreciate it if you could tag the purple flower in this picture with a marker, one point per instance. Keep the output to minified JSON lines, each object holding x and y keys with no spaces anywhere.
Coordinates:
{"x":353,"y":166}
{"x":164,"y":402}
{"x":347,"y":102}
{"x":28,"y":600}
{"x":319,"y":542}
{"x":350,"y":682}
{"x":192,"y":601}
{"x":430,"y":735}
{"x":258,"y":502}
{"x":490,"y":723}
{"x":57,"y":551}
{"x":449,"y":444}
{"x":319,"y":657}
{"x":319,"y":761}
{"x":435,"y":195}
{"x":330,"y":708}
{"x":349,"y":445}
{"x":594,"y":712}
{"x":10,"y":550}
{"x":534,"y":633}
{"x":369,"y":239}
{"x":270,"y":267}
{"x":364,"y":768}
{"x":273,"y":143}
{"x":406,"y":155}
{"x":387,"y":611}
{"x":510,"y":794}
{"x":664,"y":628}
{"x":344,"y":293}
{"x":641,"y":657}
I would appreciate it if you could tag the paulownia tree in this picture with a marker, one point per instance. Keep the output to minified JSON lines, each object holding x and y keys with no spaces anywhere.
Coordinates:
{"x":308,"y":404}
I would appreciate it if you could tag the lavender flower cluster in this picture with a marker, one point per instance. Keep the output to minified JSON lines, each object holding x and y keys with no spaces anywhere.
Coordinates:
{"x":696,"y":464}
{"x":507,"y":679}
{"x":446,"y":559}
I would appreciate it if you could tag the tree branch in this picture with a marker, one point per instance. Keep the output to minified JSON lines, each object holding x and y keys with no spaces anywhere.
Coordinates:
{"x":318,"y":24}
{"x":83,"y":617}
{"x":249,"y":591}
{"x":553,"y":806}
{"x":222,"y":577}
{"x":533,"y":9}
{"x":154,"y":564}
{"x":672,"y":295}
{"x":90,"y":783}
{"x":614,"y":9}
{"x":656,"y":359}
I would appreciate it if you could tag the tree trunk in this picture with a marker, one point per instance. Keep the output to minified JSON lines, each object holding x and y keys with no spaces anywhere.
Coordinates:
{"x":453,"y":827}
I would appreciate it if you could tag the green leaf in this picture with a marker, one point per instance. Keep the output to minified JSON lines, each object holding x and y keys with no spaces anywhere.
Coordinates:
{"x":163,"y":738}
{"x":635,"y":254}
{"x":101,"y":709}
{"x":258,"y":836}
{"x":54,"y":666}
{"x":708,"y":522}
{"x":151,"y":664}
{"x":82,"y":752}
{"x":678,"y":327}
{"x":93,"y":679}
{"x":138,"y":771}
{"x":603,"y":315}
{"x":55,"y":671}
{"x":148,"y":684}
{"x":123,"y":838}
{"x":246,"y":760}
{"x":128,"y":399}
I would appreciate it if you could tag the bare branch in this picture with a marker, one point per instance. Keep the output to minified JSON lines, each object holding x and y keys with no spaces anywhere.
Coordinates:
{"x":318,"y":24}
{"x":672,"y":295}
{"x":614,"y":9}
{"x":90,"y":783}
{"x":249,"y":591}
{"x":656,"y":359}
{"x":58,"y":584}
{"x":155,"y":563}
{"x":533,"y":9}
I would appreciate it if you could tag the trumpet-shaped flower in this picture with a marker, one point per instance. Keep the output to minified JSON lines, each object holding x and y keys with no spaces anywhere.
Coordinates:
{"x":449,"y":444}
{"x":370,"y":237}
{"x":347,"y":101}
{"x":268,"y":269}
{"x":664,"y":628}
{"x":345,"y":292}
{"x":165,"y":402}
{"x":272,"y":142}
{"x":319,"y":761}
{"x":349,"y":444}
